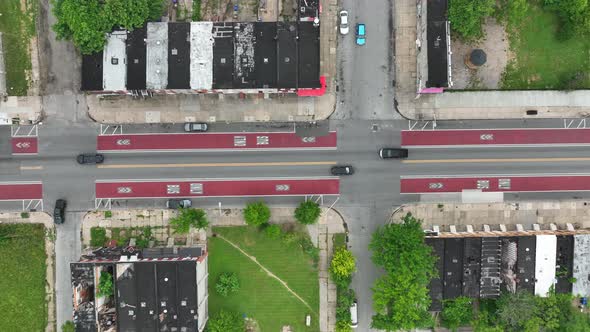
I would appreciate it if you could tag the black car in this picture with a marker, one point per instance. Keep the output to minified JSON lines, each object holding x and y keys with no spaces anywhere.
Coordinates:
{"x":387,"y":153}
{"x":342,"y":170}
{"x":178,"y":203}
{"x":59,"y":213}
{"x":90,"y":158}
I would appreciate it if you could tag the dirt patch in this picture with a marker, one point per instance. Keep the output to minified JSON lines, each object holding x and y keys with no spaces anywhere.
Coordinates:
{"x":225,"y":11}
{"x":496,"y":46}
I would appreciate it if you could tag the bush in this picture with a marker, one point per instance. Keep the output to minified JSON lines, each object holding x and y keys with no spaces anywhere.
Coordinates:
{"x":343,"y":326}
{"x":226,"y":321}
{"x":273,"y":231}
{"x":308,"y":212}
{"x":105,"y":285}
{"x":68,"y":326}
{"x":256,"y":214}
{"x":308,"y":248}
{"x":345,"y":298}
{"x":342,"y":266}
{"x":227,"y":283}
{"x":98,"y":236}
{"x":144,"y":237}
{"x":188,"y":218}
{"x":108,"y":214}
{"x":24,"y":215}
{"x":289,"y":238}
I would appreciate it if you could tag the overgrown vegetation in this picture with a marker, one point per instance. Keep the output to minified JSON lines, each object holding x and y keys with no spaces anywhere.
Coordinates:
{"x":188,"y":218}
{"x":108,"y":214}
{"x":261,"y":297}
{"x":68,"y":326}
{"x":226,"y":321}
{"x":342,"y":267}
{"x":524,"y":311}
{"x":98,"y":236}
{"x":256,"y":213}
{"x":196,"y":16}
{"x":105,"y":285}
{"x":18,"y":27}
{"x":308,"y":212}
{"x":22,"y":286}
{"x":457,"y":312}
{"x":467,"y":17}
{"x":400,"y":297}
{"x":86,"y":22}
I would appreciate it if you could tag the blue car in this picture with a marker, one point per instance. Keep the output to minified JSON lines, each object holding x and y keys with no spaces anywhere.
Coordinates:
{"x":360,"y":34}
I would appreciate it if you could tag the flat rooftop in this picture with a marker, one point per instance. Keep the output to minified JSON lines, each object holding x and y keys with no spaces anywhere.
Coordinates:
{"x":436,"y":35}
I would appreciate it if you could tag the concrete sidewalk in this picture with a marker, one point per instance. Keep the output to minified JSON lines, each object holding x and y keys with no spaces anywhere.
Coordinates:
{"x":469,"y":104}
{"x":525,"y":213}
{"x":26,"y":109}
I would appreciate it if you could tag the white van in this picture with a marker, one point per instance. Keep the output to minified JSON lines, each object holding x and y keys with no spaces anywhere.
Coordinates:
{"x":354,"y":315}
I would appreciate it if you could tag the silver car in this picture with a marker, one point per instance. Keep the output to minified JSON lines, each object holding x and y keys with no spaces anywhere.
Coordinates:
{"x":343,"y":22}
{"x":195,"y":126}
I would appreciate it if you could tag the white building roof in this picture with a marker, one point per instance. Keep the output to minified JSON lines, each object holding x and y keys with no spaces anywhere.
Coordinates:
{"x":157,"y":55}
{"x":201,"y":55}
{"x":581,"y":270}
{"x":115,"y":61}
{"x":545,"y":261}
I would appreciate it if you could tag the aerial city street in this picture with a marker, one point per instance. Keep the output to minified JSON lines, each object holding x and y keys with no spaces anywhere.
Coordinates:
{"x":294,"y":165}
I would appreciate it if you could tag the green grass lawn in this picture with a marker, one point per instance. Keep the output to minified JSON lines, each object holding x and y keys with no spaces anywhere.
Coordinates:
{"x":542,"y":61}
{"x":22,"y":286}
{"x":17,"y":27}
{"x":260,"y":296}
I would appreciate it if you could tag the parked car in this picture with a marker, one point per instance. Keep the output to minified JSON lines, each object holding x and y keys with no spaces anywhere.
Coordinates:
{"x":59,"y":212}
{"x":387,"y":153}
{"x":90,"y":158}
{"x":178,"y":203}
{"x":354,"y":322}
{"x":343,"y":22}
{"x":195,"y":126}
{"x":342,"y":170}
{"x":361,"y":34}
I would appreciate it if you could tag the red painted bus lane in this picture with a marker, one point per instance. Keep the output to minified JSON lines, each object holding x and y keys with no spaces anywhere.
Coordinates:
{"x":217,"y":187}
{"x":508,"y":183}
{"x":13,"y":191}
{"x":24,"y":145}
{"x":502,"y":137}
{"x":213,"y":141}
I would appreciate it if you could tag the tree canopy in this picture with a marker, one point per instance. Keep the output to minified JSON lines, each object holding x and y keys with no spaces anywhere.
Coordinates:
{"x":227,"y":283}
{"x":342,"y":266}
{"x":467,"y":16}
{"x":457,"y":312}
{"x":188,"y":218}
{"x":308,"y":212}
{"x":401,"y":298}
{"x":86,"y":22}
{"x":574,"y":16}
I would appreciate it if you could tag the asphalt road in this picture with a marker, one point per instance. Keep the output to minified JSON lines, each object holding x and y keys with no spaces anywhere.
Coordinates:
{"x":367,"y":198}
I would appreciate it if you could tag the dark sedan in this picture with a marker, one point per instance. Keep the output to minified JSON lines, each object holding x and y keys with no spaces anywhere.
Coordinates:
{"x":90,"y":158}
{"x":342,"y":170}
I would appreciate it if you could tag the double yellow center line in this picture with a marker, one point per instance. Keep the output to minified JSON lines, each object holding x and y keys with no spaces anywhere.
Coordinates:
{"x":494,"y":160}
{"x":267,"y":164}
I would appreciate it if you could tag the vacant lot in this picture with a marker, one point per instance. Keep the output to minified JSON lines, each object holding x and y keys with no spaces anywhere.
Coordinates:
{"x":22,"y":286}
{"x":261,"y":297}
{"x":542,"y":61}
{"x":17,"y":27}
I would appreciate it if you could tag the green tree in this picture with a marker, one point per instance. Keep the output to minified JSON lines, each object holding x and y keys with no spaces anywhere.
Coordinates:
{"x":227,"y":283}
{"x":68,"y":326}
{"x":457,"y":312}
{"x":105,"y":284}
{"x":342,"y":266}
{"x":514,"y":310}
{"x":308,"y":212}
{"x":182,"y":223}
{"x":574,"y":16}
{"x":256,"y":213}
{"x":226,"y":321}
{"x":467,"y":16}
{"x":401,"y":298}
{"x":343,"y":326}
